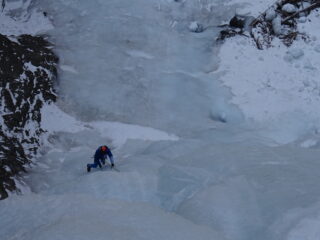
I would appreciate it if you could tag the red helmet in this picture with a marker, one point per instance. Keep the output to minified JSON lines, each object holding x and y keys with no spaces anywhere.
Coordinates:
{"x":104,"y":148}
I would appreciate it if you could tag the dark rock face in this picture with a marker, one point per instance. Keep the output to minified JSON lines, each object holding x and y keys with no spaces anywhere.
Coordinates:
{"x":27,"y":73}
{"x":237,"y":26}
{"x":237,"y":22}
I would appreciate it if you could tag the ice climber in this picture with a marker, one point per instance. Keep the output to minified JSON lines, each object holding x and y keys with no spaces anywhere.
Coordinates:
{"x":100,"y":157}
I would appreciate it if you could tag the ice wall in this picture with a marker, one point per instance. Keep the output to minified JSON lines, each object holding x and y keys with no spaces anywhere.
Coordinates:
{"x":137,"y":61}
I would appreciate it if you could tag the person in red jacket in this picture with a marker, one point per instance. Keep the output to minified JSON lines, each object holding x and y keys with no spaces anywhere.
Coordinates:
{"x":100,"y":157}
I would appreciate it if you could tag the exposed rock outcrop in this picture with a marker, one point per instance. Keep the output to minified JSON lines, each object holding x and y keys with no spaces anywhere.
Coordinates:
{"x":278,"y":21}
{"x":27,"y":75}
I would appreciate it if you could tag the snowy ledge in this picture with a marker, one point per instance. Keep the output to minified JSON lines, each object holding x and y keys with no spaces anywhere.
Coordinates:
{"x":58,"y":121}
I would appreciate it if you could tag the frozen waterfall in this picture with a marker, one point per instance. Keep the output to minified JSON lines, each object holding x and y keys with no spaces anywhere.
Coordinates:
{"x":133,"y":76}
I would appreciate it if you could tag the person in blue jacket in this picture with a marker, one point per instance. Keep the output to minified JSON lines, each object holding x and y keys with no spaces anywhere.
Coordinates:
{"x":100,"y":157}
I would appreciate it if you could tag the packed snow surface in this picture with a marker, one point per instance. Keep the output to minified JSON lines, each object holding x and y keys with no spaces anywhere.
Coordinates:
{"x":277,"y":89}
{"x":210,"y":142}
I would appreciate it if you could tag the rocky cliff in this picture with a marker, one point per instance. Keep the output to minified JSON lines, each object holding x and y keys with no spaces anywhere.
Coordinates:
{"x":27,"y":75}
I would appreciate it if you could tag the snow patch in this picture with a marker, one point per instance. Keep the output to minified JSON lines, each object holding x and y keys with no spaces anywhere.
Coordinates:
{"x":55,"y":120}
{"x":289,"y":8}
{"x":121,"y":132}
{"x":68,"y":68}
{"x":293,"y":54}
{"x":270,"y":14}
{"x":195,"y":27}
{"x":253,"y":7}
{"x":276,"y":25}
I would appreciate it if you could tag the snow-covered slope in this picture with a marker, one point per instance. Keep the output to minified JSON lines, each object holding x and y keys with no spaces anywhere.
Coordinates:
{"x":276,"y":89}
